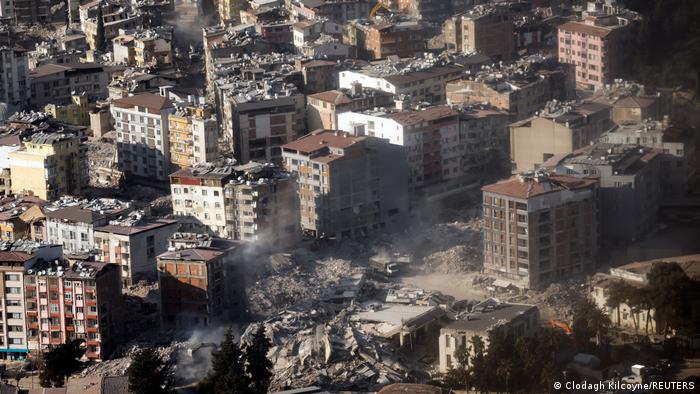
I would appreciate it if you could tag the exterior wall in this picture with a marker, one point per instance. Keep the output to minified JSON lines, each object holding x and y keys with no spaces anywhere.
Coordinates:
{"x":491,"y":35}
{"x":193,"y":140}
{"x":537,"y":241}
{"x":136,"y":253}
{"x":623,"y":316}
{"x":13,"y":337}
{"x":525,"y":325}
{"x":533,"y":142}
{"x":202,"y":201}
{"x":74,"y":237}
{"x":15,"y":86}
{"x":59,"y":88}
{"x":49,"y":171}
{"x":143,"y":145}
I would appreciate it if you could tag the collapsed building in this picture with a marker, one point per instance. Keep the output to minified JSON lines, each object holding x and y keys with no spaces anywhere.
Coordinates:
{"x":521,"y":88}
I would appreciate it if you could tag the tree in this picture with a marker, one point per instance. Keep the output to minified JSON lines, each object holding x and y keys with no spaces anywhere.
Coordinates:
{"x":100,"y":40}
{"x":148,"y":373}
{"x":259,"y":367}
{"x":458,"y":378}
{"x":669,"y":289}
{"x":589,"y":321}
{"x":61,"y":362}
{"x":228,"y":373}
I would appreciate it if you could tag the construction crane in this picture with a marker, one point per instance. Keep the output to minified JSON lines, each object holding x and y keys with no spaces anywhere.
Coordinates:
{"x":376,"y":9}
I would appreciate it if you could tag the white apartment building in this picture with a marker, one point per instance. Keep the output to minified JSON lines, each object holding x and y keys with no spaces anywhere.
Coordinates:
{"x":198,"y":198}
{"x":143,"y":143}
{"x":431,"y":139}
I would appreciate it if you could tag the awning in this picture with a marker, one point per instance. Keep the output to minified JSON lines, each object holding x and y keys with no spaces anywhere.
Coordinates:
{"x":14,"y":350}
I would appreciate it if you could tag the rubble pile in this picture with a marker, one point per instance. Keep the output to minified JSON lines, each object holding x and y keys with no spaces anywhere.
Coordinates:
{"x":100,"y":154}
{"x":559,"y":297}
{"x":314,"y":345}
{"x":118,"y":366}
{"x":291,"y":279}
{"x":453,"y":247}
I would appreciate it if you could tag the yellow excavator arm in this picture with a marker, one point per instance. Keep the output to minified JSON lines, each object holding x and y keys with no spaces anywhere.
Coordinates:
{"x":377,"y":7}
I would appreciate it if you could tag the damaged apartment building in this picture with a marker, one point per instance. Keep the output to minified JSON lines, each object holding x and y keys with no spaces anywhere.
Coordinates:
{"x":200,"y":281}
{"x":115,"y":16}
{"x":322,"y":109}
{"x":348,"y":186}
{"x":379,"y":38}
{"x":521,"y":88}
{"x":559,"y":128}
{"x":630,"y":185}
{"x":540,"y":228}
{"x":422,"y":79}
{"x":252,"y":202}
{"x":487,"y":29}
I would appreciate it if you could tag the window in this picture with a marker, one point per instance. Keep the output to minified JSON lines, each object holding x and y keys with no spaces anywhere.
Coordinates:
{"x":13,"y":277}
{"x":53,"y":308}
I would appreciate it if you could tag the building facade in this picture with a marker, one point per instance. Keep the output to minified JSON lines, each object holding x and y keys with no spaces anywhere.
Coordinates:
{"x":349,"y":186}
{"x":541,"y":228}
{"x":143,"y":143}
{"x":15,"y":87}
{"x":58,"y":83}
{"x":193,"y":136}
{"x":488,"y":31}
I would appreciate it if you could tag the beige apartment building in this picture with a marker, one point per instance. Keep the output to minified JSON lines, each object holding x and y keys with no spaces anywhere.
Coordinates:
{"x":487,"y":30}
{"x":193,"y":136}
{"x":253,"y":202}
{"x":559,"y":129}
{"x":540,"y":228}
{"x":49,"y":166}
{"x":349,"y":186}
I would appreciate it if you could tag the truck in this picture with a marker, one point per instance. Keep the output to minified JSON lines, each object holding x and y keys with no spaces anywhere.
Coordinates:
{"x":385,"y":266}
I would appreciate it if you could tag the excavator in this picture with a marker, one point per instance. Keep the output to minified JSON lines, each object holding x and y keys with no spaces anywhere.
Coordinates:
{"x":562,"y":326}
{"x":378,"y":7}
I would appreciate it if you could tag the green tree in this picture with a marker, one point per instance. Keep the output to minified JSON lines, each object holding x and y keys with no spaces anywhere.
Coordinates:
{"x":458,"y":378}
{"x":100,"y":40}
{"x":61,"y":362}
{"x":148,"y":373}
{"x":259,"y":367}
{"x":589,"y":321}
{"x":669,"y":294}
{"x":228,"y":373}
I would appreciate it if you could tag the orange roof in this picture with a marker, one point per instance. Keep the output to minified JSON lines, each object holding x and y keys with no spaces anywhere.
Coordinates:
{"x":529,"y":187}
{"x":332,"y":96}
{"x":153,"y":102}
{"x":321,"y":139}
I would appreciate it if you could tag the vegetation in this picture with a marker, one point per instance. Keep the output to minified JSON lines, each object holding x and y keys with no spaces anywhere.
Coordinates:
{"x":148,"y":373}
{"x":590,"y":322}
{"x":237,"y":371}
{"x":514,"y":365}
{"x":100,"y":39}
{"x":667,"y":46}
{"x":669,"y":293}
{"x":61,"y":362}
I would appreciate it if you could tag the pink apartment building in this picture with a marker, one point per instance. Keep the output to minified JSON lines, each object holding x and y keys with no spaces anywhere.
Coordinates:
{"x":596,"y":46}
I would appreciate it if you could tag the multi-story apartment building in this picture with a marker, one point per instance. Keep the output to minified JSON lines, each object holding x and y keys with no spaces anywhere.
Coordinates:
{"x":72,"y":223}
{"x":630,"y":186}
{"x":58,"y":83}
{"x":319,"y":75}
{"x":430,"y":138}
{"x":520,"y":91}
{"x":200,"y":281}
{"x":252,"y":202}
{"x":17,"y":215}
{"x":15,"y":88}
{"x":83,"y":301}
{"x":306,"y":31}
{"x":677,"y":146}
{"x":322,"y":109}
{"x":143,"y":143}
{"x":379,"y":39}
{"x":558,"y":129}
{"x":13,"y":337}
{"x":133,"y":242}
{"x":520,"y":320}
{"x":487,"y":30}
{"x":50,"y":165}
{"x":193,"y":136}
{"x":76,"y":113}
{"x":339,"y":11}
{"x":349,"y":186}
{"x":258,"y":127}
{"x":540,"y":228}
{"x":26,"y":11}
{"x":144,"y":48}
{"x":426,"y":83}
{"x":114,"y":15}
{"x":483,"y":139}
{"x":596,"y":46}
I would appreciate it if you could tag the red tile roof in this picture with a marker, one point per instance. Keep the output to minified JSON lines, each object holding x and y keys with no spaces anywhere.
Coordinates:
{"x":579,"y":27}
{"x":153,"y":102}
{"x":321,"y":139}
{"x":527,"y":188}
{"x":332,"y":96}
{"x":430,"y":114}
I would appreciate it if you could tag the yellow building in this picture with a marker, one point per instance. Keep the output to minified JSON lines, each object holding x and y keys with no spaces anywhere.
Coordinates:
{"x":193,"y":137}
{"x":49,"y":166}
{"x":77,"y":113}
